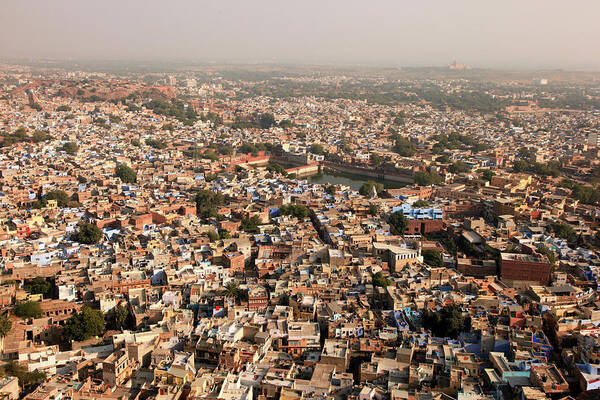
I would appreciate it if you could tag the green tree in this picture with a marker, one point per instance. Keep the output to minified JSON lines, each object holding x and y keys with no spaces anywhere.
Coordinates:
{"x":70,"y":148}
{"x":380,"y":281}
{"x":376,"y":159}
{"x":121,"y":317}
{"x":231,"y":291}
{"x":458,"y":167}
{"x":266,"y":120}
{"x":404,"y":147}
{"x":63,"y":108}
{"x":5,"y":325}
{"x":427,"y":178}
{"x":420,"y":204}
{"x":548,"y":253}
{"x":212,"y":236}
{"x":40,"y":136}
{"x":224,"y":234}
{"x":296,"y":210}
{"x":84,"y":325}
{"x":317,"y":148}
{"x":373,"y":209}
{"x":125,"y":173}
{"x":286,"y":124}
{"x":61,"y":197}
{"x":399,"y":222}
{"x":250,"y":225}
{"x":38,"y":285}
{"x":330,"y":189}
{"x":157,"y":144}
{"x":367,"y":187}
{"x":443,"y":159}
{"x":563,"y":231}
{"x":433,"y":258}
{"x":88,"y":234}
{"x":447,"y":322}
{"x":487,"y":174}
{"x":207,"y":202}
{"x":28,"y":381}
{"x":277,"y":168}
{"x":30,"y":309}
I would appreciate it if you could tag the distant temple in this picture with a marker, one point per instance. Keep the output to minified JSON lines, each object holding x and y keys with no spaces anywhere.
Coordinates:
{"x":456,"y":65}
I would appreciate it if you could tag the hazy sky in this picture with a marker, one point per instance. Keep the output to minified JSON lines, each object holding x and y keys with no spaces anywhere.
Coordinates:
{"x":484,"y":33}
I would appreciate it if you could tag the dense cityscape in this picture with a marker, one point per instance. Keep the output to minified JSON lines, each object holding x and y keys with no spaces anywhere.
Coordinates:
{"x":263,"y":232}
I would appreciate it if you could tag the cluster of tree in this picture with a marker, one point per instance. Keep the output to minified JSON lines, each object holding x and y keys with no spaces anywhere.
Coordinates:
{"x":250,"y":224}
{"x":373,"y":209}
{"x":84,"y":325}
{"x":404,"y":147}
{"x":472,"y":100}
{"x":168,"y":127}
{"x":212,"y":117}
{"x":487,"y":174}
{"x":266,"y":120}
{"x":28,"y":381}
{"x":20,"y":135}
{"x":254,"y":121}
{"x":366,"y":188}
{"x":443,"y":159}
{"x":583,"y":193}
{"x":101,"y":122}
{"x":87,"y":234}
{"x":398,"y":221}
{"x":5,"y":325}
{"x":458,"y":167}
{"x":548,"y":253}
{"x":125,"y":173}
{"x":525,"y":153}
{"x":420,"y":204}
{"x":376,"y":159}
{"x":39,"y":285}
{"x":277,"y":168}
{"x":317,"y":148}
{"x":207,"y":202}
{"x":380,"y":281}
{"x":254,"y":148}
{"x":174,"y":108}
{"x":455,"y":140}
{"x":387,"y":92}
{"x":427,"y":178}
{"x":433,"y":258}
{"x":296,"y":210}
{"x":61,"y":197}
{"x":213,"y":236}
{"x":447,"y":322}
{"x":564,"y":231}
{"x":63,"y":108}
{"x":156,"y":144}
{"x":70,"y":148}
{"x":286,"y":124}
{"x":552,"y":168}
{"x":573,"y":100}
{"x":93,"y":99}
{"x":210,"y":154}
{"x":121,"y":318}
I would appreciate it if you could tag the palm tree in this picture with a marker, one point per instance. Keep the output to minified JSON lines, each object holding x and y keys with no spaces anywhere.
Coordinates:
{"x":231,"y":291}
